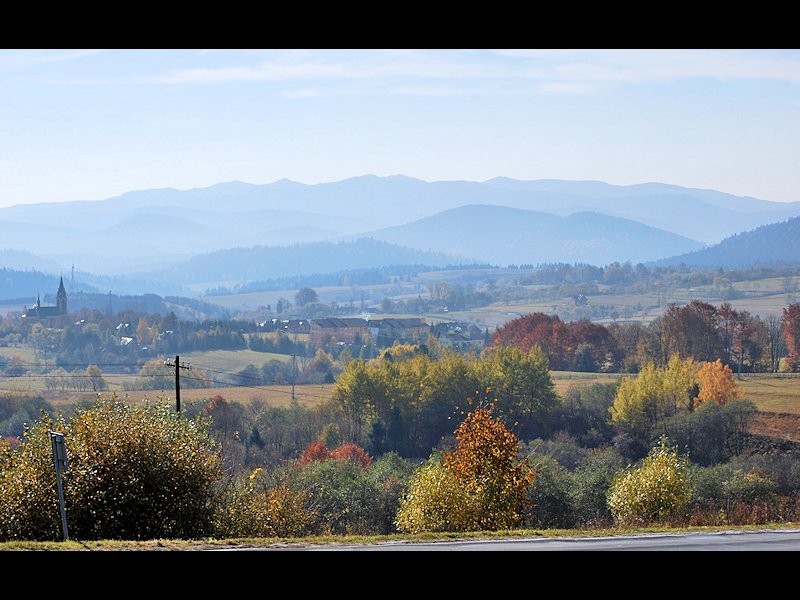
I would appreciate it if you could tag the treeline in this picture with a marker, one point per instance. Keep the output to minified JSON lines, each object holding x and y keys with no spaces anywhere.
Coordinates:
{"x":697,"y":330}
{"x":129,"y":338}
{"x":346,"y":277}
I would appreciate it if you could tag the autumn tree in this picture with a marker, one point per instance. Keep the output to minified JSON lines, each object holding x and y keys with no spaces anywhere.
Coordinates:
{"x":790,"y":327}
{"x":776,"y":347}
{"x":692,"y":331}
{"x":717,"y":383}
{"x":655,"y":492}
{"x":486,"y":462}
{"x":642,"y":404}
{"x":537,"y":329}
{"x":480,"y":484}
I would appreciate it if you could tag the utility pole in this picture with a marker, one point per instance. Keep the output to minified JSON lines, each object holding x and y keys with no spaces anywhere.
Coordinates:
{"x":178,"y":366}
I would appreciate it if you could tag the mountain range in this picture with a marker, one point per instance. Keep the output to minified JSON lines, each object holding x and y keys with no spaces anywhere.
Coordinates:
{"x":148,"y":234}
{"x":767,"y":245}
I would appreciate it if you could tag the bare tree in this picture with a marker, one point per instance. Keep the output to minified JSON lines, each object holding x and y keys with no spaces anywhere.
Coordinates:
{"x":775,"y":343}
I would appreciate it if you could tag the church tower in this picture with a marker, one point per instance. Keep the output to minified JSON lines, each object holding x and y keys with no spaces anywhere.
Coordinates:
{"x":61,"y":298}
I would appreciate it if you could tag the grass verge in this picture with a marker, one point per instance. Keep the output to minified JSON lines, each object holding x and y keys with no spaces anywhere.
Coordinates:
{"x":349,"y":540}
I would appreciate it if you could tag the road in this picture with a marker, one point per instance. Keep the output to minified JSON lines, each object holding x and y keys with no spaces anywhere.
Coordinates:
{"x":786,"y":539}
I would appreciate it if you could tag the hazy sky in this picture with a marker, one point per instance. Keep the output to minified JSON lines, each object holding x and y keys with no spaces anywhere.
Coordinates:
{"x":82,"y":125}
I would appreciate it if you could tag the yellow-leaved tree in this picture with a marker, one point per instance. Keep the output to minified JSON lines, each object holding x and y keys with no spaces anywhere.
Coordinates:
{"x":480,"y":485}
{"x":657,"y":393}
{"x":655,"y":492}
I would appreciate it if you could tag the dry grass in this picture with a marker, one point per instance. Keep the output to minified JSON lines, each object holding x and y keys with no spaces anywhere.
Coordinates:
{"x":231,"y":360}
{"x":773,"y":394}
{"x":273,"y":395}
{"x":25,"y":352}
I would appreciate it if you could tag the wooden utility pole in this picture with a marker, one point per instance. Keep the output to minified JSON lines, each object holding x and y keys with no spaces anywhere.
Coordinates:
{"x":178,"y":366}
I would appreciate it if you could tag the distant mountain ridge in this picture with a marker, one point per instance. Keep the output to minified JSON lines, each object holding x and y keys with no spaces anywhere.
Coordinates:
{"x":775,"y":244}
{"x":152,"y":230}
{"x":503,"y":235}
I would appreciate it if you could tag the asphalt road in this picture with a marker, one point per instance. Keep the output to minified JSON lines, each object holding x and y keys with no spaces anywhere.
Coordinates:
{"x":786,"y":539}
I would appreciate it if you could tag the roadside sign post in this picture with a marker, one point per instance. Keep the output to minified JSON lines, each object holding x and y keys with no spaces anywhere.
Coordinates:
{"x":60,"y":463}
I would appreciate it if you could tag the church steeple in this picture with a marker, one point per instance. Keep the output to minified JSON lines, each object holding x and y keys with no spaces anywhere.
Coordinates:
{"x":61,"y":297}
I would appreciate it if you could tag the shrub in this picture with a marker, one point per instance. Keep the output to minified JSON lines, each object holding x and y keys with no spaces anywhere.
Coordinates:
{"x":549,"y":503}
{"x":354,"y":453}
{"x":134,"y":473}
{"x":315,"y":451}
{"x":655,"y":492}
{"x":390,"y":475}
{"x":256,"y":506}
{"x":591,"y":481}
{"x":435,"y":501}
{"x":341,"y":496}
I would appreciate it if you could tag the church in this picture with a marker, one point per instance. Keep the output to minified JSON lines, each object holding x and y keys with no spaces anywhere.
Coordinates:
{"x":45,"y":312}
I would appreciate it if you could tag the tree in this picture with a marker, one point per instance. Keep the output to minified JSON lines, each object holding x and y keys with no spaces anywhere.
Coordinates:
{"x":692,"y":331}
{"x":486,"y":463}
{"x":655,"y":492}
{"x":642,"y":404}
{"x":96,"y":379}
{"x":520,"y":383}
{"x":790,"y":326}
{"x":305,"y":295}
{"x":480,"y":484}
{"x":776,"y":347}
{"x":717,"y":383}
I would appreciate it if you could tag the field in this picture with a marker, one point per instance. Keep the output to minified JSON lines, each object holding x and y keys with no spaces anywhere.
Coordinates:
{"x":230,"y":360}
{"x":274,"y":395}
{"x":25,"y":352}
{"x":773,"y":393}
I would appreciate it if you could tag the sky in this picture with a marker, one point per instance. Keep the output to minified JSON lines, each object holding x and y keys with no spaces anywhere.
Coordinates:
{"x":92,"y":124}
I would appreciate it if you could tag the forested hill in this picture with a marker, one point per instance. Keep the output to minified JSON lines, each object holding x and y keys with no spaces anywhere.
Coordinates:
{"x":505,"y":235}
{"x":264,"y":262}
{"x":778,"y":243}
{"x":25,"y":285}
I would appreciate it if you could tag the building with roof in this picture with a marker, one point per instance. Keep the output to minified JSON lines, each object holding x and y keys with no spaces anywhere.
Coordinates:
{"x":37,"y":311}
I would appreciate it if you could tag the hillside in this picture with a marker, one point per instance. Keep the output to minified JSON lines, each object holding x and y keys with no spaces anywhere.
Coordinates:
{"x":778,"y":243}
{"x":240,"y":265}
{"x":503,"y":235}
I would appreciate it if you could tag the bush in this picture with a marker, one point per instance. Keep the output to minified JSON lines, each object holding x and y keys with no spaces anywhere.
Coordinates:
{"x":591,"y":481}
{"x":390,"y":475}
{"x":341,"y":496}
{"x":549,"y":503}
{"x":134,"y":473}
{"x":655,"y":492}
{"x":256,"y":506}
{"x":435,"y":501}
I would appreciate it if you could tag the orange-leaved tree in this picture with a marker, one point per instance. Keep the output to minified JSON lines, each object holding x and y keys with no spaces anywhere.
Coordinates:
{"x":790,"y":327}
{"x":480,"y":484}
{"x":486,"y":462}
{"x":352,"y":452}
{"x":717,"y":383}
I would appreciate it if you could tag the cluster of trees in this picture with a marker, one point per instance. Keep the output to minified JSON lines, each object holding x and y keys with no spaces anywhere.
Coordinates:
{"x":697,"y":330}
{"x":144,"y":472}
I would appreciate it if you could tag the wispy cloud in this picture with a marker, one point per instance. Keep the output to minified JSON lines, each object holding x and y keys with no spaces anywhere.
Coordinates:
{"x":20,"y":59}
{"x":453,"y":72}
